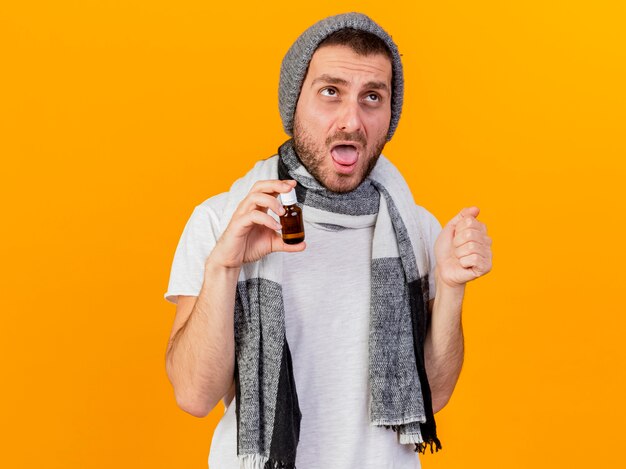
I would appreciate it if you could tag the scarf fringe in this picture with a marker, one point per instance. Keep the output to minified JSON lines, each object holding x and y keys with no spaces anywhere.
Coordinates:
{"x":420,"y":446}
{"x":273,"y":464}
{"x":253,"y":461}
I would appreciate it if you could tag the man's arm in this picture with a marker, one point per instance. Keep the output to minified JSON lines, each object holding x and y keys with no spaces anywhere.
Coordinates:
{"x":463,"y":253}
{"x":201,"y":352}
{"x":200,"y":357}
{"x":443,"y":348}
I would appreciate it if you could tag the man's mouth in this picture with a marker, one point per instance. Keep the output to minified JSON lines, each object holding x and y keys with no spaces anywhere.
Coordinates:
{"x":345,"y":157}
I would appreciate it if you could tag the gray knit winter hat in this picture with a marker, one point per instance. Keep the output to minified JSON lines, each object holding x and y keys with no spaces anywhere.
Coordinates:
{"x":296,"y":63}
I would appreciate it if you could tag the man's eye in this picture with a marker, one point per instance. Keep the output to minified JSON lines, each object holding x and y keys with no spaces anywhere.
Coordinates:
{"x":329,"y":92}
{"x":373,"y":97}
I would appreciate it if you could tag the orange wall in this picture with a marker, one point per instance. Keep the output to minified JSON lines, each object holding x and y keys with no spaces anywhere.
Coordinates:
{"x":117,"y":118}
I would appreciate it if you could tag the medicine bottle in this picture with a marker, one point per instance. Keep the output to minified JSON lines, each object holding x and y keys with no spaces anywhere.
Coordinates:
{"x":291,"y":220}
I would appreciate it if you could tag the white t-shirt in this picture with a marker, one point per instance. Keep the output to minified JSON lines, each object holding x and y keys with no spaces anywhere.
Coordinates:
{"x":327,"y":337}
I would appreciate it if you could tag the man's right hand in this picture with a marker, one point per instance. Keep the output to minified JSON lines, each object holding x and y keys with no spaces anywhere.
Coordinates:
{"x":251,"y":233}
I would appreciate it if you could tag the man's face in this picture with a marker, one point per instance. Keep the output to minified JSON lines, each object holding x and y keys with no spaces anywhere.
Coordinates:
{"x":342,"y":116}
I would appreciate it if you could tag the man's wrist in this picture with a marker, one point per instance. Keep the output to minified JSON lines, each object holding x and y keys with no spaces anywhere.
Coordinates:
{"x":213,"y":267}
{"x":448,"y":290}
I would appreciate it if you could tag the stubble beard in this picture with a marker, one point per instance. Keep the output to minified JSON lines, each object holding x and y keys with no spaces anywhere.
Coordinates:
{"x":313,"y":157}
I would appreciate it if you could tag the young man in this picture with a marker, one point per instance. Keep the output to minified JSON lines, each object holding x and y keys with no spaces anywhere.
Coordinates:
{"x":334,"y":352}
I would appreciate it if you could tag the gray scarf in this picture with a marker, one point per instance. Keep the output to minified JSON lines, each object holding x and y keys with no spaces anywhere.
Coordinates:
{"x":268,"y":415}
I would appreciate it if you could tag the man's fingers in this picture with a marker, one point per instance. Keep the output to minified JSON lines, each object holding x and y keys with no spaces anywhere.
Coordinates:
{"x":279,"y":245}
{"x":256,"y":200}
{"x":256,"y":217}
{"x":468,"y":235}
{"x":470,"y":222}
{"x":263,"y":194}
{"x":480,"y":265}
{"x":273,"y":186}
{"x":472,"y":247}
{"x":467,"y":212}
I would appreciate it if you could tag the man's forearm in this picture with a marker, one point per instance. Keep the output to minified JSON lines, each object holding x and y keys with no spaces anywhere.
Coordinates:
{"x":200,"y":357}
{"x":443,"y":349}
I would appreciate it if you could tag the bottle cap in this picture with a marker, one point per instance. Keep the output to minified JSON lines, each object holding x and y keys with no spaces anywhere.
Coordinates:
{"x":289,"y":198}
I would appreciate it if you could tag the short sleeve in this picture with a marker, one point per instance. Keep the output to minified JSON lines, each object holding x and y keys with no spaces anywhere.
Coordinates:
{"x":432,"y":229}
{"x":196,"y":242}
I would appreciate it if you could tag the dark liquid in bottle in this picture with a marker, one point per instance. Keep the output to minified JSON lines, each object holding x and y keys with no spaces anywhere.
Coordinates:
{"x":292,"y":224}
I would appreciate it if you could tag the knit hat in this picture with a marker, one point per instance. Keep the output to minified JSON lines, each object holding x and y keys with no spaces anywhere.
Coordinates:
{"x":296,"y":63}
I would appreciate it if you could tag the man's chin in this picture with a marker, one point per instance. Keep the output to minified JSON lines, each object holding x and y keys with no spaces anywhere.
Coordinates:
{"x":341,"y":184}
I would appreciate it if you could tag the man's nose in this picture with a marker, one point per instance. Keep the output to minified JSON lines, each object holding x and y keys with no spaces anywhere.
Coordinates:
{"x":349,"y":118}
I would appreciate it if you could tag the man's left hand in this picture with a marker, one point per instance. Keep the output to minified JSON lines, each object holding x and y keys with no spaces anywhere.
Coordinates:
{"x":463,"y":249}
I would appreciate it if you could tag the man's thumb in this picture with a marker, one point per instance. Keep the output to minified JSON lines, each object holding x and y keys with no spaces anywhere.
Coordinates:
{"x":466,"y":212}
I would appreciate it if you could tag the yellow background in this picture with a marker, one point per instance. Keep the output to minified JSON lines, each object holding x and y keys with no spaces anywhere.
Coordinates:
{"x":118,"y":117}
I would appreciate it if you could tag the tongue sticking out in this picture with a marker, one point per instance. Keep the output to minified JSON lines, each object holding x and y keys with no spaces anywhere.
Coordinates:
{"x":344,"y":154}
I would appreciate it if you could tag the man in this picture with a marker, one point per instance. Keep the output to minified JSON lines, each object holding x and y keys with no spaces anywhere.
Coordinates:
{"x":335,"y":352}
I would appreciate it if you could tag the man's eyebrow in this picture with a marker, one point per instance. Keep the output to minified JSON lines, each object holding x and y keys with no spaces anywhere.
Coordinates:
{"x":330,"y":80}
{"x":373,"y":85}
{"x":377,"y":85}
